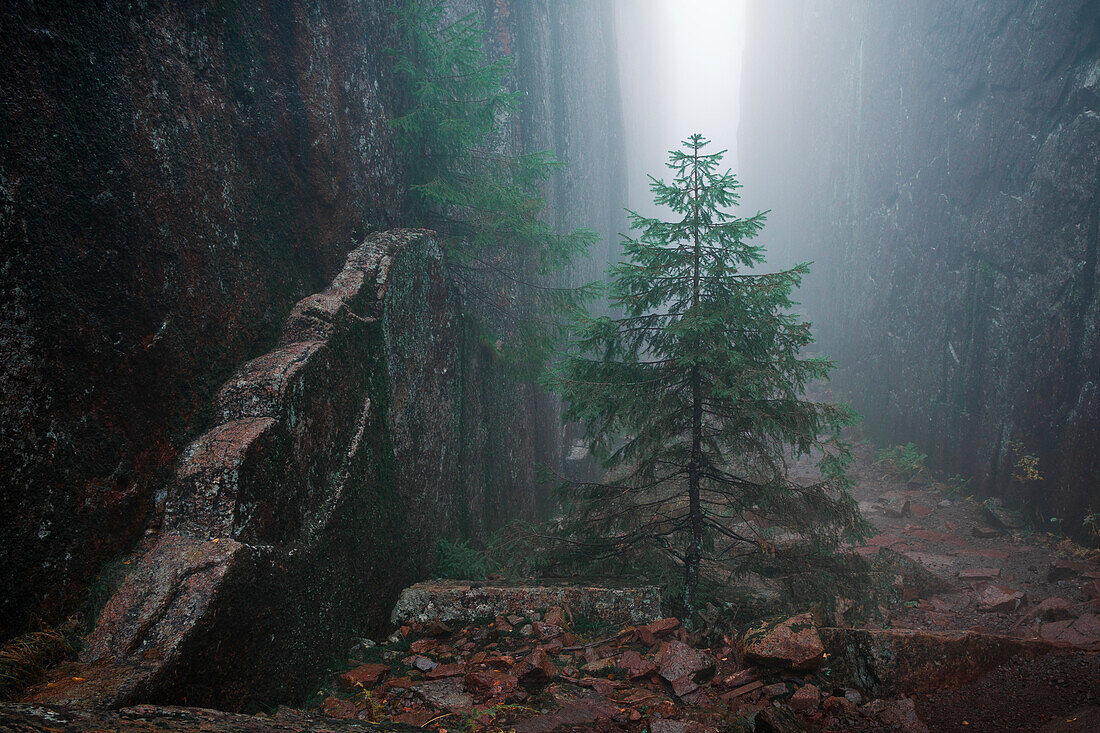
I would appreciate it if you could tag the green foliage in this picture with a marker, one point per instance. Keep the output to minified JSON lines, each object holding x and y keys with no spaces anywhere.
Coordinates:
{"x":519,"y":549}
{"x":957,"y":487}
{"x":457,"y":559}
{"x":470,"y":183}
{"x":904,"y":461}
{"x":693,"y":399}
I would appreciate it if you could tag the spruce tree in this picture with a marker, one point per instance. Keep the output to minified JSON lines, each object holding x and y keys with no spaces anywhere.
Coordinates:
{"x":470,"y":180}
{"x":693,"y":398}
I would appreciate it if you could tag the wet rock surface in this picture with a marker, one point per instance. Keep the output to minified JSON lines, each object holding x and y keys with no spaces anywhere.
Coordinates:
{"x":258,"y":574}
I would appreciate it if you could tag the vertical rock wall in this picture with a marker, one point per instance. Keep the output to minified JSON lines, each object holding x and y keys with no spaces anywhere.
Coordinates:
{"x":938,"y":163}
{"x":173,"y":178}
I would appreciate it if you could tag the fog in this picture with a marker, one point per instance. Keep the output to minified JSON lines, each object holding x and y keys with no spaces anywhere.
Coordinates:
{"x":680,"y":66}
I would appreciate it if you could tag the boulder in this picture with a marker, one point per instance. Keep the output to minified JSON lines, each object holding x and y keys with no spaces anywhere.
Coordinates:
{"x":792,"y":642}
{"x":262,"y":571}
{"x":466,"y":602}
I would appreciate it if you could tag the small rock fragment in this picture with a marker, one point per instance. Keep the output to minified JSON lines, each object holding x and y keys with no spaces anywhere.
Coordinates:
{"x":684,"y":685}
{"x":998,"y":516}
{"x":660,"y":725}
{"x":490,"y":683}
{"x":547,"y":631}
{"x":779,"y":688}
{"x":597,"y":665}
{"x":334,"y":707}
{"x":635,"y":665}
{"x":806,"y":699}
{"x":745,"y":676}
{"x":742,"y":690}
{"x":366,"y":675}
{"x":437,"y":628}
{"x":1053,"y":609}
{"x":838,"y":705}
{"x":897,"y":508}
{"x":421,"y":646}
{"x":444,"y":670}
{"x":1000,"y":599}
{"x":422,"y":664}
{"x":446,"y":694}
{"x":536,"y":664}
{"x":676,"y":659}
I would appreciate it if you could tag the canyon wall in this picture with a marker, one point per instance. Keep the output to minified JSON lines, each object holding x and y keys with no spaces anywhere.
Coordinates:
{"x":174,"y":178}
{"x":938,"y":162}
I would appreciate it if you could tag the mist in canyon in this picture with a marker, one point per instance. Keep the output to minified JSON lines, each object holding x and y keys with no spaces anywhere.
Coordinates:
{"x":265,"y":438}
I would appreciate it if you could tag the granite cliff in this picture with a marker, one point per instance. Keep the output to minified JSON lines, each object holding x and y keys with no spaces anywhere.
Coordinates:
{"x":174,"y":179}
{"x":938,"y":163}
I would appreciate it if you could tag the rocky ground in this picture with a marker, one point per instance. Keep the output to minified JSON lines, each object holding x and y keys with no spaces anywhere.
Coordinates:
{"x":993,"y":628}
{"x":998,"y":578}
{"x":982,"y":626}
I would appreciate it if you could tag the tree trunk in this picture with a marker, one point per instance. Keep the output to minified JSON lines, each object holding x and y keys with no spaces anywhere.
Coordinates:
{"x":695,"y":465}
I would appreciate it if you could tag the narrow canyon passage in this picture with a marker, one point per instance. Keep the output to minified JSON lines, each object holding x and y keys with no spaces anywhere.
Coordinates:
{"x":673,"y":366}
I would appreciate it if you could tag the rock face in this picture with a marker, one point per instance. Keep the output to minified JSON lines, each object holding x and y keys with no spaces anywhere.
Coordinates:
{"x":466,"y":602}
{"x":884,"y":663}
{"x":173,"y":178}
{"x":290,"y":525}
{"x":936,"y":161}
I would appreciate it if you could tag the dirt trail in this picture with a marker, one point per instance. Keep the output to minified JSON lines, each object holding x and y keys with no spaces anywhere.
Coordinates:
{"x":1006,"y":581}
{"x":1003,"y":580}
